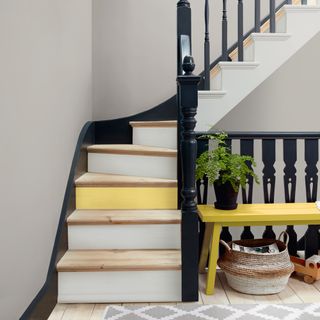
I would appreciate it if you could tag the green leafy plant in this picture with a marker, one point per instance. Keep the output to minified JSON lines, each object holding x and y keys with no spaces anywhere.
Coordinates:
{"x":222,"y":166}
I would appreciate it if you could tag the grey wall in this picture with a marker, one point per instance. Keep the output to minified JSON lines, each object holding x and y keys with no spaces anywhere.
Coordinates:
{"x":45,"y":98}
{"x":134,"y":50}
{"x":288,"y":100}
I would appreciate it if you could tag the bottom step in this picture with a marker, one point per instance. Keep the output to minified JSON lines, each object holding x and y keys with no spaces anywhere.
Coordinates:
{"x":101,"y":276}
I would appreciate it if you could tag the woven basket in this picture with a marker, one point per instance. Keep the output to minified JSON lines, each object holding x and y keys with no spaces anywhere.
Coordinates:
{"x":261,"y":273}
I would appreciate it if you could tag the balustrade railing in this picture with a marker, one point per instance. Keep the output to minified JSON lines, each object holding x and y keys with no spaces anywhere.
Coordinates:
{"x":310,"y":242}
{"x":188,"y":148}
{"x":241,"y":16}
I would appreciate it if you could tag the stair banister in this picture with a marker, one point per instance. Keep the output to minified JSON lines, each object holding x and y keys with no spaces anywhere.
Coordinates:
{"x":272,"y":16}
{"x":257,"y":15}
{"x":206,"y":48}
{"x":240,"y":30}
{"x":224,"y":31}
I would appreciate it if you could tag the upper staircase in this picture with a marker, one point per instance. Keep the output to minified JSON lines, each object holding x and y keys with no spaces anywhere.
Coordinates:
{"x":263,"y":54}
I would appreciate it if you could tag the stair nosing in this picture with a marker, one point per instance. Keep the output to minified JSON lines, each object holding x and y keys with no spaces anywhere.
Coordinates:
{"x":120,"y":260}
{"x":109,"y":217}
{"x":153,"y":124}
{"x":101,"y":180}
{"x":136,"y":150}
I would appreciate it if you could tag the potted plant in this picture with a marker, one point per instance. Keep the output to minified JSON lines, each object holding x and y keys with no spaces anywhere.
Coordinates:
{"x":225,"y":170}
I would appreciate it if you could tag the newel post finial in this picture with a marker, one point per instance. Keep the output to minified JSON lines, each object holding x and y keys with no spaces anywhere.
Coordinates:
{"x":183,"y":3}
{"x":188,"y":65}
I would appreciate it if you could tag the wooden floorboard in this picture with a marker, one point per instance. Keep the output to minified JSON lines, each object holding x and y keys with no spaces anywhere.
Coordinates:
{"x":297,"y":291}
{"x":306,"y":292}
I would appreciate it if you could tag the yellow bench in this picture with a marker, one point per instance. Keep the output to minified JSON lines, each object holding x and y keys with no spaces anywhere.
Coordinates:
{"x":247,"y":215}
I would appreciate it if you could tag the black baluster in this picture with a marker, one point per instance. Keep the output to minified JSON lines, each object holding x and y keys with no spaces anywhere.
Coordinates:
{"x":224,"y":32}
{"x":225,"y":233}
{"x":202,"y":185}
{"x":246,"y":148}
{"x":272,"y":16}
{"x":188,"y":84}
{"x":290,"y":181}
{"x":311,"y":181}
{"x":206,"y":48}
{"x":257,"y":15}
{"x":240,"y":30}
{"x":269,"y":179}
{"x":202,"y":189}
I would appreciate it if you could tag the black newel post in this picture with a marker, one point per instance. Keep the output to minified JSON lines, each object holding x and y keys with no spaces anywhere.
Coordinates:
{"x":183,"y":48}
{"x":206,"y":48}
{"x":188,"y":90}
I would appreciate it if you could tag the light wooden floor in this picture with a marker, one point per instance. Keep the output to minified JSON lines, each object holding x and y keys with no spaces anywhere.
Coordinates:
{"x":296,"y":292}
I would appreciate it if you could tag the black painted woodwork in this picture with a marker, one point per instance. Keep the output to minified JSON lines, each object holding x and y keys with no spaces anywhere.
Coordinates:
{"x":247,"y":148}
{"x":188,"y":90}
{"x":257,"y":15}
{"x":240,"y":30}
{"x":225,"y":233}
{"x":289,"y":182}
{"x":225,"y":56}
{"x":311,"y":182}
{"x":269,"y":178}
{"x":272,"y":16}
{"x":206,"y":47}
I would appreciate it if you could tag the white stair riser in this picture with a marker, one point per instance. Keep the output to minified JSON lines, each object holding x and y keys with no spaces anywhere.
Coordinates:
{"x":133,"y":165}
{"x":157,"y":236}
{"x":119,"y":286}
{"x":301,"y":24}
{"x":230,"y":77}
{"x":155,"y":136}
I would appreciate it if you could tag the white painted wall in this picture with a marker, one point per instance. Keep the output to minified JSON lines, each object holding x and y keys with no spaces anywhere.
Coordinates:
{"x":45,"y":98}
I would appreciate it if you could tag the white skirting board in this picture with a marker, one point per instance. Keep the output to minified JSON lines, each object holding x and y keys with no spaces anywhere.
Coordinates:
{"x":155,"y":137}
{"x":133,"y":165}
{"x":155,"y":236}
{"x":119,"y":286}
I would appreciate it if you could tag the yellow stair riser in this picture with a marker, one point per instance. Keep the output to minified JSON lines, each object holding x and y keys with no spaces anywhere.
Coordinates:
{"x":126,"y":198}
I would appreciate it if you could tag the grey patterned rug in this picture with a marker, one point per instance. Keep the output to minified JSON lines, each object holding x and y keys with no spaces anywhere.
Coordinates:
{"x":215,"y":312}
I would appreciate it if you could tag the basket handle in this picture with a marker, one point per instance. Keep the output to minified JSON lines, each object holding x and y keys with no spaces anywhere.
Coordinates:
{"x":225,"y":245}
{"x":285,"y":239}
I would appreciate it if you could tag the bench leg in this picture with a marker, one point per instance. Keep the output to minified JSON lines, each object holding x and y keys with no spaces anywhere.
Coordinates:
{"x":214,"y":252}
{"x":205,"y":247}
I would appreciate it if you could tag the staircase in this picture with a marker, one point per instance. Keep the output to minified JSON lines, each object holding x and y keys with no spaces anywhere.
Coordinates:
{"x":124,"y":236}
{"x":263,"y":54}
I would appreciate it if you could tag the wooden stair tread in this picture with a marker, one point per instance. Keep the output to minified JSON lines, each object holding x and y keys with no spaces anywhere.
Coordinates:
{"x":150,"y":124}
{"x":132,"y":149}
{"x":113,"y":180}
{"x":119,"y":260}
{"x":110,"y":217}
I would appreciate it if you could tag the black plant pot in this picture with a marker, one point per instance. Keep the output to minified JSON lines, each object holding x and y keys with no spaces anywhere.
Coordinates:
{"x":225,"y":195}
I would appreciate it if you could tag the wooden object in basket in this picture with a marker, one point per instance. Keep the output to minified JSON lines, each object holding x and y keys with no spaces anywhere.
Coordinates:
{"x":309,"y":270}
